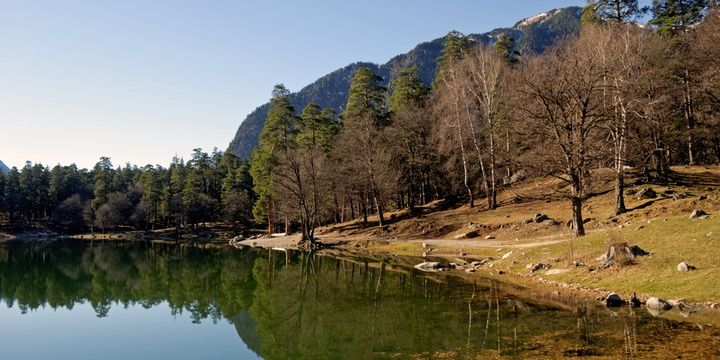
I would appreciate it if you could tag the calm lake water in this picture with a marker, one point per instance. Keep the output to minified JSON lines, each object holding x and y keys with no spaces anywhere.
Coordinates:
{"x":118,"y":301}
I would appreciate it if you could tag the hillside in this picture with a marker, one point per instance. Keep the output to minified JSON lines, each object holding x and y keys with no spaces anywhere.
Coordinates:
{"x":532,"y":35}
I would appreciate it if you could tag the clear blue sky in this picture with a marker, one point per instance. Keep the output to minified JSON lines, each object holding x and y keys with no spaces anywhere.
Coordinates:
{"x":142,"y":80}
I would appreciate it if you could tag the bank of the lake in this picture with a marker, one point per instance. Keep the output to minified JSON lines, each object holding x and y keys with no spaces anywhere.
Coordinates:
{"x":530,"y":229}
{"x":272,"y":304}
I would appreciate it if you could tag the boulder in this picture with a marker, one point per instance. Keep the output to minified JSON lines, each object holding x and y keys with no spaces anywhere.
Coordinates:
{"x":538,"y":218}
{"x":551,"y":222}
{"x":697,"y":213}
{"x":428,"y":266}
{"x":638,"y":251}
{"x":646,"y":193}
{"x":468,"y":235}
{"x":490,"y":237}
{"x":634,"y":301}
{"x":683,"y":266}
{"x":540,"y":266}
{"x":469,"y":270}
{"x":656,"y":306}
{"x":527,"y":221}
{"x":517,"y":176}
{"x":613,"y":300}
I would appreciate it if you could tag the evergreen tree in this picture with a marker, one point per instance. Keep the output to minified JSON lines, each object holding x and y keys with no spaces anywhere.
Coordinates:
{"x":3,"y":207}
{"x":277,"y":136}
{"x":408,"y":91}
{"x":677,"y":16}
{"x":454,"y":46}
{"x":366,"y":97}
{"x":618,"y":11}
{"x":102,"y":181}
{"x":173,"y":205}
{"x":13,"y":195}
{"x":505,"y":47}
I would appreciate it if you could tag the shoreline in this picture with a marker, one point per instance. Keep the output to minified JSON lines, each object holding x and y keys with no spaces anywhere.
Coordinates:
{"x":540,"y":279}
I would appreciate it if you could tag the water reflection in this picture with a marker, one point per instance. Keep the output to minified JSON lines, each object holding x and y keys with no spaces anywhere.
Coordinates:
{"x":297,"y":305}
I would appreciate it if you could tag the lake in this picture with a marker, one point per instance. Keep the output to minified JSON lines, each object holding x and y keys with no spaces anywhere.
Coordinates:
{"x":74,"y":300}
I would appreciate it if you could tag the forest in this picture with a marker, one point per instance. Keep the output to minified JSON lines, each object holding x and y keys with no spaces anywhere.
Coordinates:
{"x":618,"y":96}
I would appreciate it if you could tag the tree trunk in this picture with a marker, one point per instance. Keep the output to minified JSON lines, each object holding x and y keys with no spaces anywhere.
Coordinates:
{"x":577,"y":218}
{"x":378,"y":207}
{"x":689,"y":121}
{"x":492,"y":202}
{"x":619,"y":191}
{"x":271,"y":228}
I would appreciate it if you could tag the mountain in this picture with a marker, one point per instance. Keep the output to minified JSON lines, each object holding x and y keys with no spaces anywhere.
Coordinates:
{"x":532,"y":36}
{"x":3,"y":168}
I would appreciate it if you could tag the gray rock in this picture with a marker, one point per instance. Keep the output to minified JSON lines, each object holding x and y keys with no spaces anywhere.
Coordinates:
{"x":697,"y":213}
{"x":613,"y":300}
{"x":683,"y":266}
{"x":656,"y":306}
{"x":468,"y":235}
{"x":638,"y":251}
{"x":469,"y":270}
{"x":518,"y":176}
{"x":490,"y":237}
{"x":527,"y":221}
{"x":538,"y":218}
{"x":646,"y":193}
{"x":428,"y":266}
{"x":538,"y":267}
{"x":551,"y":222}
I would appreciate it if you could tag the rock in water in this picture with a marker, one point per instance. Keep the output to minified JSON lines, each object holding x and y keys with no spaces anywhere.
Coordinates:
{"x":656,"y":306}
{"x":428,"y":266}
{"x":683,"y":266}
{"x":613,"y":300}
{"x":697,"y":213}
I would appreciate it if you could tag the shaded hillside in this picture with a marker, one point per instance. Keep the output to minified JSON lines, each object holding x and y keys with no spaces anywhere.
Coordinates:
{"x":532,"y":35}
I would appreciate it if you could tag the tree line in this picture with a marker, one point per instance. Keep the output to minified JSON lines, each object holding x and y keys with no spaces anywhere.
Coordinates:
{"x":208,"y":187}
{"x":618,"y":95}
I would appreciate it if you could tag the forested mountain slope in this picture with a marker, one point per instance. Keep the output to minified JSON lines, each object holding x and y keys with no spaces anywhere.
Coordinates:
{"x":532,"y":35}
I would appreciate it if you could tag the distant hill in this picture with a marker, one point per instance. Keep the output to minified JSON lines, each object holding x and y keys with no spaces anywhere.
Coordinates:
{"x":3,"y":168}
{"x":532,"y":36}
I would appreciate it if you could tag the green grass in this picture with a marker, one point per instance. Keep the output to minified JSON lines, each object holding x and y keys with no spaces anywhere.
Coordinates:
{"x":670,"y":240}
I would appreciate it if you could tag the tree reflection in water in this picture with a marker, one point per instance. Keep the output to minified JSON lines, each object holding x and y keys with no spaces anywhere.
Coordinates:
{"x":304,"y":305}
